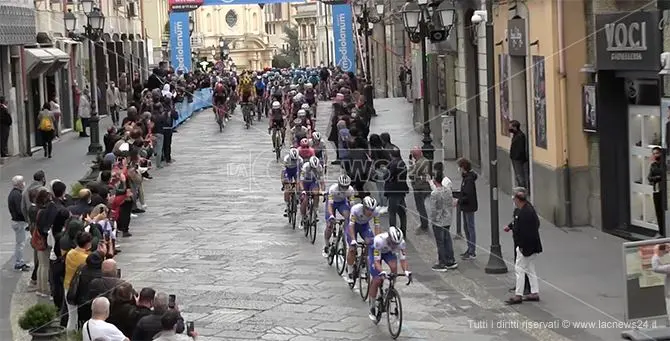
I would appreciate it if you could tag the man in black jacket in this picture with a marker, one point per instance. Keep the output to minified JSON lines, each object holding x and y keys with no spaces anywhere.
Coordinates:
{"x":150,"y":325}
{"x":527,"y":238}
{"x":102,"y":286}
{"x":467,"y":202}
{"x":518,"y":153}
{"x":395,"y":189}
{"x":5,"y":127}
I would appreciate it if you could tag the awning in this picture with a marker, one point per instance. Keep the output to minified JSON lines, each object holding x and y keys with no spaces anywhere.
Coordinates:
{"x":38,"y":61}
{"x":61,"y":59}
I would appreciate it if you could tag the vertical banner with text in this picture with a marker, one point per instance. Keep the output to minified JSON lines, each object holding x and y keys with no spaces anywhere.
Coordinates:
{"x":180,"y":41}
{"x":343,"y":36}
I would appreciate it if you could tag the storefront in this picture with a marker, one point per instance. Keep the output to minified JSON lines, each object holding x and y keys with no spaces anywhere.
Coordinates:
{"x":629,"y":120}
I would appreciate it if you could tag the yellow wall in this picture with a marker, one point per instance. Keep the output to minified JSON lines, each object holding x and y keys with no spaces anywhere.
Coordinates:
{"x":543,"y":27}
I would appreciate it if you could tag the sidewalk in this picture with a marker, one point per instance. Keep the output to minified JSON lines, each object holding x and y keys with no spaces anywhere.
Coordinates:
{"x":69,"y":163}
{"x":580,"y":270}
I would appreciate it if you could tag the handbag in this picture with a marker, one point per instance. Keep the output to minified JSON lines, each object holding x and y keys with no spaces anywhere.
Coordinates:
{"x":78,"y":126}
{"x":37,"y":241}
{"x":74,"y":286}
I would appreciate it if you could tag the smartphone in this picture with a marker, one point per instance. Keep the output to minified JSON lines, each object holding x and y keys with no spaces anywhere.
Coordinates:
{"x":172,"y":301}
{"x":118,"y":274}
{"x":190,"y":328}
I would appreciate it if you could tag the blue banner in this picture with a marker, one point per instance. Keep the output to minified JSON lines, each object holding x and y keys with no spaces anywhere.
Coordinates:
{"x":180,"y":42}
{"x":246,"y":2}
{"x":343,"y":36}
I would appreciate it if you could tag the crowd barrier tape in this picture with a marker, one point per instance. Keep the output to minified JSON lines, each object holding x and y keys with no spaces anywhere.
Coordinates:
{"x":202,"y":99}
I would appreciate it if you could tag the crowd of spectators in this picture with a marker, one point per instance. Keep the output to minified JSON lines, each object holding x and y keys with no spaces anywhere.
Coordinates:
{"x":74,"y":232}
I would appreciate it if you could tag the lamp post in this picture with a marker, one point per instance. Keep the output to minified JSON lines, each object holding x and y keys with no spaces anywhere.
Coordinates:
{"x":224,"y":49}
{"x":95,"y":22}
{"x":367,"y":19}
{"x":495,"y":264}
{"x":191,"y":26}
{"x":422,"y":21}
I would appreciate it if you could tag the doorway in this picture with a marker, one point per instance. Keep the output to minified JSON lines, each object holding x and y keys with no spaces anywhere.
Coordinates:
{"x":472,"y":150}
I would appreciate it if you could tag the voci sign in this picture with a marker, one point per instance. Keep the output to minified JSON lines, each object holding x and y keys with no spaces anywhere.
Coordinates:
{"x":628,"y":41}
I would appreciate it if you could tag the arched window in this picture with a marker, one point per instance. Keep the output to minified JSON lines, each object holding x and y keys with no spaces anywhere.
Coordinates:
{"x":208,"y":20}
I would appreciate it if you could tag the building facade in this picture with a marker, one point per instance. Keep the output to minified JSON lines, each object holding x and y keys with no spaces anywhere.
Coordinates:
{"x":277,"y":18}
{"x":306,"y":19}
{"x":324,"y":34}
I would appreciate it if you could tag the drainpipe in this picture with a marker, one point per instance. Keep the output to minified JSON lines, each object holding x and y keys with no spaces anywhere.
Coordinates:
{"x":563,"y":101}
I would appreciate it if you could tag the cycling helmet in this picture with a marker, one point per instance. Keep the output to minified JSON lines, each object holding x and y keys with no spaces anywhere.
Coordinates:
{"x":291,"y":93}
{"x":276,"y":105}
{"x":369,"y":203}
{"x":304,"y":143}
{"x":259,"y":77}
{"x":304,"y":106}
{"x":395,"y":235}
{"x":298,"y":97}
{"x":294,"y":86}
{"x":293,"y":153}
{"x":316,"y":136}
{"x":308,"y":85}
{"x":302,"y":113}
{"x":344,"y":181}
{"x":314,"y":162}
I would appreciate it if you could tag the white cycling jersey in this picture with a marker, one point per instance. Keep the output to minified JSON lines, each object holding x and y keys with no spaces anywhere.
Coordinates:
{"x":357,"y":215}
{"x":382,"y":245}
{"x":336,"y":194}
{"x":311,"y":174}
{"x":290,"y":163}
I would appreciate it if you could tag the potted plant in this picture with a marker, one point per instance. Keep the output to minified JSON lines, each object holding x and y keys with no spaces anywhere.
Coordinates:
{"x":39,"y":320}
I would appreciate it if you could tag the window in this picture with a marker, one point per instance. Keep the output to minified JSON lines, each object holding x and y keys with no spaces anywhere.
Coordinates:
{"x":277,"y":11}
{"x":267,"y":28}
{"x":274,"y":28}
{"x":303,"y":30}
{"x":312,"y":31}
{"x":313,"y":58}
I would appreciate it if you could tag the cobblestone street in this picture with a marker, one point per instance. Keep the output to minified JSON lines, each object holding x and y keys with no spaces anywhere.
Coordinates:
{"x":214,"y":235}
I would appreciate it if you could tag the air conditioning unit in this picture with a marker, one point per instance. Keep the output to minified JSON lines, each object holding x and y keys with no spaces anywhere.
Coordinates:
{"x":120,"y":3}
{"x":132,"y":10}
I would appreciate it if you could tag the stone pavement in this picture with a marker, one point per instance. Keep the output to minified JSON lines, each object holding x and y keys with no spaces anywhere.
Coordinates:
{"x":580,"y":270}
{"x":69,"y":164}
{"x":214,"y":235}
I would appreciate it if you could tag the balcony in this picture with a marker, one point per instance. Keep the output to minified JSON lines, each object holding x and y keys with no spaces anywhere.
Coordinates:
{"x":306,"y":10}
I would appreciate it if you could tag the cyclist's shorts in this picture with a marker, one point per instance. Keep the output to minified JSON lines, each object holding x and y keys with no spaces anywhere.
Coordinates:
{"x":387,"y":257}
{"x":338,"y":206}
{"x":362,"y":230}
{"x":291,"y":174}
{"x":310,"y":101}
{"x":309,"y":185}
{"x":260,"y":92}
{"x":278,"y":123}
{"x":246,"y":97}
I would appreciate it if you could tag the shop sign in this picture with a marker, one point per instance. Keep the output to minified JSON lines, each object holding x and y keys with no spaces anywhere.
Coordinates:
{"x":516,"y":37}
{"x":628,"y":41}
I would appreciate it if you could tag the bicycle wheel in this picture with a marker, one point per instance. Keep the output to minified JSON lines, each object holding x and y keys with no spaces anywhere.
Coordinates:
{"x":355,"y":275}
{"x":277,"y":143}
{"x":393,"y":311}
{"x":312,"y":227}
{"x":340,"y":254}
{"x":308,"y":222}
{"x":363,"y":280}
{"x":331,"y":245}
{"x":294,"y":209}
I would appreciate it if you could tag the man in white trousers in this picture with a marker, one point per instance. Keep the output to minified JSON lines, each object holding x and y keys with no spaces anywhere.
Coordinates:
{"x":526,"y":234}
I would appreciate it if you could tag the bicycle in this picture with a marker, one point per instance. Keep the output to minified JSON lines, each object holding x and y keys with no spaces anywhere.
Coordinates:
{"x":277,"y":142}
{"x":259,"y":107}
{"x":220,"y":112}
{"x":361,"y":270}
{"x":310,"y":221}
{"x":292,"y":204}
{"x":334,"y":242}
{"x":385,"y":298}
{"x":246,"y":113}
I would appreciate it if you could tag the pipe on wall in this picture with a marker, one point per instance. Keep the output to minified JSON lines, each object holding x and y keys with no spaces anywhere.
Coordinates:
{"x":564,"y":117}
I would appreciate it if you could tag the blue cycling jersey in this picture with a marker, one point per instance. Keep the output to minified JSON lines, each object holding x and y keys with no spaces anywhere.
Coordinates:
{"x":260,"y":85}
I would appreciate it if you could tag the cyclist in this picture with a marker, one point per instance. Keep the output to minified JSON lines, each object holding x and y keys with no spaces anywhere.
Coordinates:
{"x":277,"y":119}
{"x":313,"y":78}
{"x":340,"y":196}
{"x":312,"y":181}
{"x":220,"y":98}
{"x":292,"y":164}
{"x":359,"y":224}
{"x":299,"y":131}
{"x":246,"y":92}
{"x":319,"y":147}
{"x":384,"y":248}
{"x":304,"y":150}
{"x":260,"y":94}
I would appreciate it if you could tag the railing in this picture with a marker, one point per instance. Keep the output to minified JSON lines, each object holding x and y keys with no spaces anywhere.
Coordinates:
{"x":202,"y":99}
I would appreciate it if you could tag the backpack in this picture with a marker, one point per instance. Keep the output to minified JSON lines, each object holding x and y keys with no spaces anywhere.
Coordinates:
{"x":46,"y":124}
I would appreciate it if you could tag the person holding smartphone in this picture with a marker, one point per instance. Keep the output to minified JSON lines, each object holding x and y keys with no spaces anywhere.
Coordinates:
{"x":169,"y":322}
{"x":150,"y":325}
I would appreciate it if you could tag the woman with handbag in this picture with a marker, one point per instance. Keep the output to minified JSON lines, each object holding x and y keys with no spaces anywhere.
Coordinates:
{"x":42,"y":236}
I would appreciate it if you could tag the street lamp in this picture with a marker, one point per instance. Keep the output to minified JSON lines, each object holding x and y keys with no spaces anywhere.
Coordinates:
{"x":95,"y":23}
{"x":366,"y":19}
{"x":420,"y":25}
{"x":496,"y":264}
